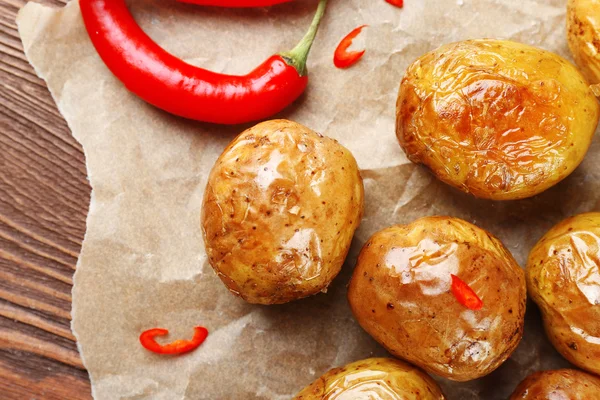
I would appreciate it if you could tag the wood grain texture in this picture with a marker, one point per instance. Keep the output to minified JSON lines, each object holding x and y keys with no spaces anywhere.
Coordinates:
{"x":44,"y":197}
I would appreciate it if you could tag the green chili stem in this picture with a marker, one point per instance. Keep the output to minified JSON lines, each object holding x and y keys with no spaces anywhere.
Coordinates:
{"x":298,"y":55}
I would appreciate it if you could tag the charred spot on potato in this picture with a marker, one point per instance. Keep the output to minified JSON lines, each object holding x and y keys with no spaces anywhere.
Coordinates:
{"x":573,"y":346}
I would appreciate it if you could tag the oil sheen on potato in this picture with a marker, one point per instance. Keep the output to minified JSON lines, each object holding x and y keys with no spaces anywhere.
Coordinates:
{"x":583,"y":32}
{"x":562,"y":384}
{"x":401,"y":294}
{"x":280,"y":210}
{"x":564,"y":280}
{"x":497,"y":119}
{"x":373,"y":379}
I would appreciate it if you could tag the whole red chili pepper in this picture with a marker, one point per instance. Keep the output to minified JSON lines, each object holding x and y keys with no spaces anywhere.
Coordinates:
{"x":235,"y":3}
{"x":147,"y":339}
{"x":182,"y":89}
{"x":397,"y":3}
{"x":465,"y":295}
{"x":342,"y":58}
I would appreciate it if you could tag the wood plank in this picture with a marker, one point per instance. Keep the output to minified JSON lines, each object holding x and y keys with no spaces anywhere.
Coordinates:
{"x":37,"y":377}
{"x":44,"y":196}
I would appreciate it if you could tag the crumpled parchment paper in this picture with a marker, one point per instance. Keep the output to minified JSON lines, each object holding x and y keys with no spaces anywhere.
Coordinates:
{"x":143,"y":264}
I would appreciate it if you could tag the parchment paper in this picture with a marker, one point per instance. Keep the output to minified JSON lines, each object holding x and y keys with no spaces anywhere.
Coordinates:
{"x":143,"y":264}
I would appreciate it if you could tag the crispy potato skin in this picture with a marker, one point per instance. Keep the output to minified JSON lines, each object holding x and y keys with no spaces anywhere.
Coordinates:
{"x":583,"y":32}
{"x":567,"y":384}
{"x":280,"y":209}
{"x":376,"y":379}
{"x":564,"y":280}
{"x":497,"y":119}
{"x":400,"y":293}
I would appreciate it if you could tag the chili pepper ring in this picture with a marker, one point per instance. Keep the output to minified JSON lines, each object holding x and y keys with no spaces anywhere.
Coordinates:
{"x":182,"y":89}
{"x":148,"y":340}
{"x":342,"y":58}
{"x":464,"y":294}
{"x":397,"y":3}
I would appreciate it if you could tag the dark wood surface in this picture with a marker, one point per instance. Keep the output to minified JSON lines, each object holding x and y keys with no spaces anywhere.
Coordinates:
{"x":44,"y":196}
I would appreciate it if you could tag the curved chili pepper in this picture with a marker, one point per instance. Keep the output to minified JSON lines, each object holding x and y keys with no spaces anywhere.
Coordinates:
{"x":343,"y":58}
{"x":147,"y":339}
{"x":182,"y":89}
{"x":465,"y":295}
{"x":235,"y":3}
{"x":397,"y":3}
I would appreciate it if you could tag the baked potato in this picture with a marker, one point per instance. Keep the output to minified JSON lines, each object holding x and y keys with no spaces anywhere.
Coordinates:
{"x":374,"y":378}
{"x":583,"y":32}
{"x":409,"y":288}
{"x":497,"y":119}
{"x":562,"y":384}
{"x":280,"y":208}
{"x":564,"y":280}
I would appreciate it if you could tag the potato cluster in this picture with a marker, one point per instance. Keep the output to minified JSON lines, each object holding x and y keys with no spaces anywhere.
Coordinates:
{"x":497,"y":119}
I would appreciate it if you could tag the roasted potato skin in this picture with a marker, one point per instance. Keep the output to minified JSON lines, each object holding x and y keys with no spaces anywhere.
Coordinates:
{"x":373,"y":378}
{"x":567,"y":384}
{"x":497,"y":119}
{"x":583,"y":32}
{"x":564,"y":280}
{"x":400,"y":293}
{"x":280,"y":209}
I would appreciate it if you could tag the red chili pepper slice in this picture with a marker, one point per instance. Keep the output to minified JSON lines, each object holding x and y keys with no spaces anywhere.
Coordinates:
{"x":147,"y":339}
{"x":235,"y":3}
{"x":343,"y":58}
{"x":182,"y":89}
{"x":397,"y":3}
{"x":465,"y":295}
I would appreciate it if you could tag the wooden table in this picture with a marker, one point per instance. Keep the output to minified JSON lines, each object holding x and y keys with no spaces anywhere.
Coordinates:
{"x":44,"y":197}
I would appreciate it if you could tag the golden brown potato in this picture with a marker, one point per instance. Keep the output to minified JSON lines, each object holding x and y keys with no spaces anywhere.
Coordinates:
{"x":564,"y":280}
{"x":497,"y":119}
{"x":280,"y":209}
{"x":563,"y":384}
{"x":374,"y":378}
{"x":402,"y":293}
{"x":583,"y":27}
